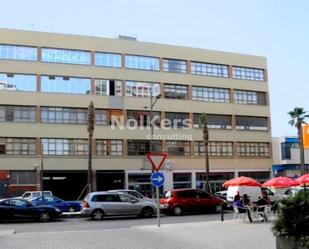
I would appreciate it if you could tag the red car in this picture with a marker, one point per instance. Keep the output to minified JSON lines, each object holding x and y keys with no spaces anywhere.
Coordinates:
{"x":192,"y":200}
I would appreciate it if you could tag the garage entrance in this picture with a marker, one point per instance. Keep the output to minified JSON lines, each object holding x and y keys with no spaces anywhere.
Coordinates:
{"x":107,"y":180}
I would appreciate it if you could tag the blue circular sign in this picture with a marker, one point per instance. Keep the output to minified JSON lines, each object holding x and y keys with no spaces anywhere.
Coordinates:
{"x":157,"y":179}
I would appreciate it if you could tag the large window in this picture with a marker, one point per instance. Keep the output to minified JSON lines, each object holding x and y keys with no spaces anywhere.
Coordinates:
{"x":249,"y":97}
{"x":65,"y":147}
{"x":251,"y":123}
{"x":61,"y":115}
{"x":106,"y":147}
{"x":142,"y":62}
{"x":208,"y":69}
{"x":107,"y":59}
{"x":182,"y":180}
{"x":18,"y":146}
{"x":178,"y":148}
{"x":245,"y":73}
{"x":17,"y":82}
{"x":210,"y":94}
{"x":66,"y":56}
{"x":141,"y":147}
{"x":253,"y":149}
{"x":143,"y":117}
{"x":22,"y":114}
{"x":142,"y":89}
{"x":213,"y":121}
{"x":174,"y":66}
{"x":12,"y":52}
{"x":215,"y":149}
{"x":22,"y":177}
{"x":57,"y":84}
{"x":175,"y":91}
{"x":101,"y":117}
{"x":286,"y":150}
{"x":177,"y":119}
{"x":108,"y":87}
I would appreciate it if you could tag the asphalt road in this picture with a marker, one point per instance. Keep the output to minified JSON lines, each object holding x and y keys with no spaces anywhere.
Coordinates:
{"x":79,"y":224}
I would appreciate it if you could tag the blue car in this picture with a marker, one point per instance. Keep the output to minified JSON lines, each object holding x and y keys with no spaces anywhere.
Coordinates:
{"x":64,"y":206}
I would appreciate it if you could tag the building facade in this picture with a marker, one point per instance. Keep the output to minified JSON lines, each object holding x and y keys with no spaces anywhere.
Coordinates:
{"x":47,"y":81}
{"x":286,"y":157}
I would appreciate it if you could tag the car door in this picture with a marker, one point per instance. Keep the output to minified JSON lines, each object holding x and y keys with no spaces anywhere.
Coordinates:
{"x":21,"y":207}
{"x":187,"y":199}
{"x":129,"y":204}
{"x":110,"y":203}
{"x":204,"y":200}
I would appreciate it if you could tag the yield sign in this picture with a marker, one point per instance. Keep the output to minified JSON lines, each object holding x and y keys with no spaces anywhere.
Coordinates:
{"x":156,"y":160}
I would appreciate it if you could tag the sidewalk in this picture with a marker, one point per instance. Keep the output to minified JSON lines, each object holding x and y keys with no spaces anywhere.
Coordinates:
{"x":198,"y":235}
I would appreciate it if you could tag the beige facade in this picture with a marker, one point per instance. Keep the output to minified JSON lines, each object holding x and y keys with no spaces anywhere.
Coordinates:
{"x":128,"y":163}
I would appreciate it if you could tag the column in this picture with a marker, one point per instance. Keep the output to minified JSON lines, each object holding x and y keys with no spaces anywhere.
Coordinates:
{"x":38,"y":114}
{"x":92,"y":87}
{"x":38,"y":83}
{"x":123,"y":65}
{"x":92,"y":58}
{"x":125,"y":147}
{"x":230,"y":71}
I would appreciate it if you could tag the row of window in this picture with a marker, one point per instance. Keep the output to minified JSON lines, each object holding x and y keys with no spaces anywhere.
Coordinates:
{"x":63,"y":115}
{"x":79,"y":147}
{"x":72,"y":85}
{"x":52,"y":55}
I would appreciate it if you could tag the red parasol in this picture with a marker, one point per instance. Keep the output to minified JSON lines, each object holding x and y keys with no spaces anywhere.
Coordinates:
{"x":280,"y":182}
{"x":303,"y":180}
{"x":242,"y":181}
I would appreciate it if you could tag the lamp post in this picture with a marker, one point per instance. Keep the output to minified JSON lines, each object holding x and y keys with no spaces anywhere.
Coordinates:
{"x":90,"y":128}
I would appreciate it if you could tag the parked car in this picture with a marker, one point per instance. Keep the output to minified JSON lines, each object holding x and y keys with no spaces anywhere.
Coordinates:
{"x":253,"y":192}
{"x":181,"y":200}
{"x":100,"y":204}
{"x":134,"y":193}
{"x":64,"y":206}
{"x":33,"y":194}
{"x":16,"y":207}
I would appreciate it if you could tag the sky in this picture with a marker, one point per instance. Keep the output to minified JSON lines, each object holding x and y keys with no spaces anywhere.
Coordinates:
{"x":276,"y":29}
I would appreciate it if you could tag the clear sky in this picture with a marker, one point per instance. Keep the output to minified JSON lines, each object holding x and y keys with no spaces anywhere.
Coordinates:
{"x":277,"y":29}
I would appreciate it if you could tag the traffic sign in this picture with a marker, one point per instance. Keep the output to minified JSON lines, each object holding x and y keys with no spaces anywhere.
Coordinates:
{"x":156,"y":160}
{"x":157,"y":179}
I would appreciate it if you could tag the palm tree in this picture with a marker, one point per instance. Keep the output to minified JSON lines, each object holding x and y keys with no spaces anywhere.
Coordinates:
{"x":297,"y":118}
{"x":203,"y":121}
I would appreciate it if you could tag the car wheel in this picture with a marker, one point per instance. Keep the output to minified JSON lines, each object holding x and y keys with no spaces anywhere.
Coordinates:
{"x":44,"y":216}
{"x":71,"y":209}
{"x":147,"y":212}
{"x":177,"y":211}
{"x":97,"y":214}
{"x":218,"y":209}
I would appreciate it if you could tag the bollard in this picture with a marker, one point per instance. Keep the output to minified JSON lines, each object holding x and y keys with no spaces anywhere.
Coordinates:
{"x":222,"y":213}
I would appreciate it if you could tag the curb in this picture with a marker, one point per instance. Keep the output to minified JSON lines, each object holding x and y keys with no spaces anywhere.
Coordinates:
{"x":71,"y":215}
{"x":7,"y":232}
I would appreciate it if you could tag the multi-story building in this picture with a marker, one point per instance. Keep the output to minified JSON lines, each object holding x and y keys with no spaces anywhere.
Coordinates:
{"x":286,"y":157}
{"x":47,"y":81}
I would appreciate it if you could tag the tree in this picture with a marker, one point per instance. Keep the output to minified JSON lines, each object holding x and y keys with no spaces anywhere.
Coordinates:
{"x":90,"y":128}
{"x":297,"y":118}
{"x":203,"y":121}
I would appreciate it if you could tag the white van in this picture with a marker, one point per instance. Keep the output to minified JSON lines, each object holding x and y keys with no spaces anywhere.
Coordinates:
{"x":34,"y":194}
{"x":254,"y":193}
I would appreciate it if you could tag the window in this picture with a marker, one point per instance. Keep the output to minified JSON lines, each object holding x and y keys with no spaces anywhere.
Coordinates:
{"x":213,"y":121}
{"x":249,"y":97}
{"x":109,"y":147}
{"x":143,"y":117}
{"x":107,"y":59}
{"x":253,"y":149}
{"x":178,"y":148}
{"x":101,"y":117}
{"x":66,"y":56}
{"x":141,"y":147}
{"x":260,"y":176}
{"x":12,"y":52}
{"x":175,"y":91}
{"x":18,"y":146}
{"x":210,"y":94}
{"x":22,"y":114}
{"x":65,"y":147}
{"x":142,"y":89}
{"x":61,"y":115}
{"x":251,"y":123}
{"x":215,"y":149}
{"x":17,"y":82}
{"x":208,"y":69}
{"x":245,"y":73}
{"x":286,"y":150}
{"x":182,"y":180}
{"x":142,"y":62}
{"x":22,"y":177}
{"x":177,"y":119}
{"x":174,"y":66}
{"x":55,"y":84}
{"x":108,"y":87}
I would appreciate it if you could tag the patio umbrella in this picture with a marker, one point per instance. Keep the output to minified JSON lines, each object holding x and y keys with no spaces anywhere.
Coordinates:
{"x":280,"y":182}
{"x":242,"y":181}
{"x":303,"y":180}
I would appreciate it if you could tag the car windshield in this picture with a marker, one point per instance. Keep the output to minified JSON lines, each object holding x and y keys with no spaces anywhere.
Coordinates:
{"x":168,"y":194}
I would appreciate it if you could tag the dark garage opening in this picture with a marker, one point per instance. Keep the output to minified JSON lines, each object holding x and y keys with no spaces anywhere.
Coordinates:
{"x":107,"y":180}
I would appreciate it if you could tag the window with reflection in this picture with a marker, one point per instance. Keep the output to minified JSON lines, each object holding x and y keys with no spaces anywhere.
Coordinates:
{"x":181,"y":180}
{"x":107,"y":59}
{"x":108,"y":87}
{"x":143,"y":117}
{"x":66,"y":56}
{"x":251,"y":123}
{"x":65,"y":146}
{"x":177,"y":119}
{"x":245,"y":73}
{"x":101,"y":117}
{"x":178,"y":148}
{"x":17,"y":82}
{"x":211,"y":94}
{"x":106,"y":147}
{"x":174,"y":66}
{"x":216,"y":149}
{"x":12,"y":52}
{"x":62,"y":115}
{"x":214,"y":121}
{"x":18,"y":146}
{"x":249,"y":97}
{"x":142,"y":62}
{"x":172,"y":91}
{"x":57,"y":84}
{"x":246,"y":149}
{"x":141,"y":147}
{"x":142,"y":89}
{"x":209,"y":69}
{"x":18,"y":114}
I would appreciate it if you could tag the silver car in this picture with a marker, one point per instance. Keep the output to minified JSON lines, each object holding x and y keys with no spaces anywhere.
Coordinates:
{"x":134,"y":193}
{"x":100,"y":204}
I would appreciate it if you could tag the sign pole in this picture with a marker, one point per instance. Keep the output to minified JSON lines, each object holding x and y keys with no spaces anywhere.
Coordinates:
{"x":158,"y":206}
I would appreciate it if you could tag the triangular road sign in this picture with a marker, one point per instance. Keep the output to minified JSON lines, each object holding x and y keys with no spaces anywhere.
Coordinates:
{"x":156,"y":160}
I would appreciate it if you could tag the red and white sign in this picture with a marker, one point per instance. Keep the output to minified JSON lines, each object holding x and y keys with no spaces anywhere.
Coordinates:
{"x":156,"y":160}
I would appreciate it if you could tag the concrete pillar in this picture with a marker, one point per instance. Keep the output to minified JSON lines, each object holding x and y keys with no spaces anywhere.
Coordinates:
{"x":193,"y":179}
{"x":94,"y":180}
{"x":92,"y":87}
{"x":126,"y":179}
{"x":37,"y":114}
{"x":230,"y":71}
{"x":188,"y":67}
{"x":92,"y":59}
{"x":123,"y":61}
{"x":38,"y":83}
{"x":168,"y":183}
